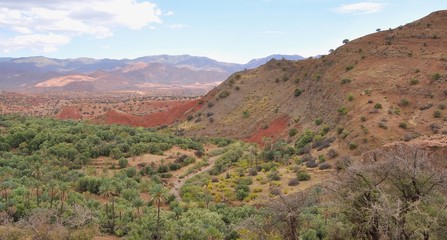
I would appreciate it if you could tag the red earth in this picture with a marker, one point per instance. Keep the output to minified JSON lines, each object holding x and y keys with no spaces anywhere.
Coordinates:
{"x":70,"y":112}
{"x":177,"y":112}
{"x":276,"y":126}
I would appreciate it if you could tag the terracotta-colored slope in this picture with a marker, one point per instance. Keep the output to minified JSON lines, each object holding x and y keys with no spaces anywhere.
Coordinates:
{"x":276,"y":127}
{"x":70,"y":112}
{"x":177,"y":112}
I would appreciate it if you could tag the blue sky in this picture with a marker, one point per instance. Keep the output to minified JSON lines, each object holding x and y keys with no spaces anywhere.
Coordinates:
{"x":225,"y":30}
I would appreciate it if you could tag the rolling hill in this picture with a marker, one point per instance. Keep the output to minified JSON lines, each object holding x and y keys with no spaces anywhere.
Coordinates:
{"x":40,"y":74}
{"x":383,"y":87}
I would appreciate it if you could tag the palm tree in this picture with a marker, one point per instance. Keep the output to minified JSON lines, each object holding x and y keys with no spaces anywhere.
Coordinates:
{"x":108,"y":189}
{"x":159,"y":195}
{"x":37,"y":173}
{"x":64,"y":187}
{"x":52,"y":185}
{"x":138,"y":203}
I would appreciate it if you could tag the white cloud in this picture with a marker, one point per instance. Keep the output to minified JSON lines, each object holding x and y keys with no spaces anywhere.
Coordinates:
{"x":169,"y":13}
{"x":47,"y":19}
{"x":36,"y":42}
{"x":178,"y":26}
{"x":360,"y":8}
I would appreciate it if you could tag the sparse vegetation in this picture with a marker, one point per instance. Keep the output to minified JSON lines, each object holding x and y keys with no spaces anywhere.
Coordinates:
{"x":345,"y":81}
{"x":298,"y":92}
{"x":224,"y":94}
{"x":436,"y":76}
{"x":350,"y":97}
{"x":413,"y":81}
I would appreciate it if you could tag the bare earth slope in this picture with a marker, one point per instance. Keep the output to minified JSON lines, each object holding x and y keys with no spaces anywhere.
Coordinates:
{"x":383,"y":87}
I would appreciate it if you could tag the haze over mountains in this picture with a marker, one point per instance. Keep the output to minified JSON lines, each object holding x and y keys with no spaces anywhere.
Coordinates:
{"x":41,"y":74}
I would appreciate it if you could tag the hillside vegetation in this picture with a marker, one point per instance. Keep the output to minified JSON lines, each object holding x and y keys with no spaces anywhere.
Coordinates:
{"x":387,"y":86}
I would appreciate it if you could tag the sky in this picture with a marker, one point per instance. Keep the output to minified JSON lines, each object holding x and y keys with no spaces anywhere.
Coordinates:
{"x":226,"y":30}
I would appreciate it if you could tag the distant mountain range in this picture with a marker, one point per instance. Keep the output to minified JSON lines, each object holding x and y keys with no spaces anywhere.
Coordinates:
{"x":41,"y":74}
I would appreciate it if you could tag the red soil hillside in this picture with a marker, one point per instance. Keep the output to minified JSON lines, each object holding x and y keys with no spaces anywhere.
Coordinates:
{"x":178,"y":111}
{"x":269,"y":131}
{"x":386,"y":86}
{"x":70,"y":112}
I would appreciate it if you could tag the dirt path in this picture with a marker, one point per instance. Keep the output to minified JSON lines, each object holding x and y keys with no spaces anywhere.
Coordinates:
{"x":177,"y":183}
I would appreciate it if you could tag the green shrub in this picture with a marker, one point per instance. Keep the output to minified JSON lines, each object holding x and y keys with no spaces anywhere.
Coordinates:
{"x":293,"y":132}
{"x":436,"y":76}
{"x":318,"y":121}
{"x":305,"y":138}
{"x":342,"y":110}
{"x":378,"y":106}
{"x":274,"y":175}
{"x":352,"y":145}
{"x":303,"y":176}
{"x":345,"y":80}
{"x":122,"y":163}
{"x":174,"y":166}
{"x":298,"y":92}
{"x":414,"y":81}
{"x":162,"y":169}
{"x":404,"y":102}
{"x":403,"y":125}
{"x":350,"y":97}
{"x":224,"y":94}
{"x":437,"y":114}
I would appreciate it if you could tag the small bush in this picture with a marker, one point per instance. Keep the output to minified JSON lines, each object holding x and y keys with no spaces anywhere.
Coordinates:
{"x":342,"y":110}
{"x":404,"y":102}
{"x":318,"y":121}
{"x":312,"y":164}
{"x":345,"y":80}
{"x":437,"y":114}
{"x":210,"y":104}
{"x":307,"y":157}
{"x":382,"y":125}
{"x":274,"y":175}
{"x":436,"y":76}
{"x":162,"y":169}
{"x":378,"y":106}
{"x":298,"y":92}
{"x":122,"y":163}
{"x":352,"y":145}
{"x":252,"y":171}
{"x":241,"y":194}
{"x":324,"y":166}
{"x":293,"y":132}
{"x":350,"y":97}
{"x":293,"y":182}
{"x":332,"y":154}
{"x":224,"y":94}
{"x":303,"y":176}
{"x":349,"y":67}
{"x":189,"y":117}
{"x":434,"y":128}
{"x":414,"y":81}
{"x":403,"y":125}
{"x":363,"y":118}
{"x":174,"y":166}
